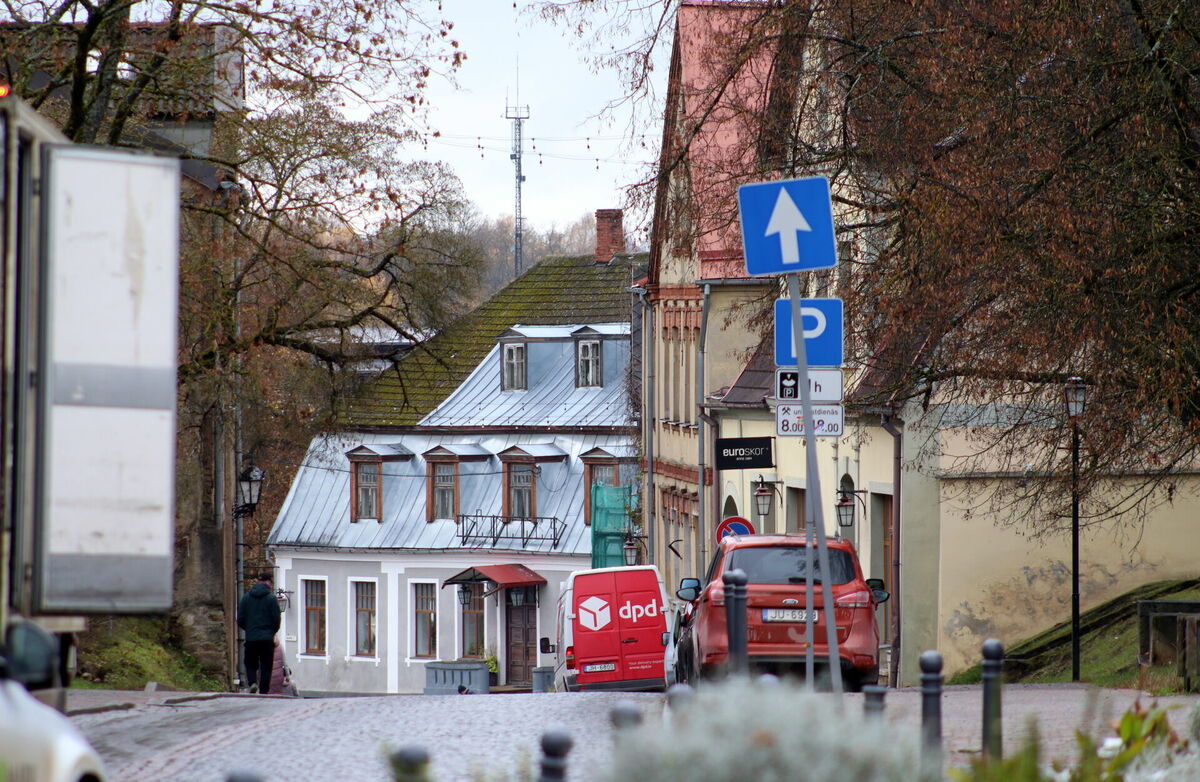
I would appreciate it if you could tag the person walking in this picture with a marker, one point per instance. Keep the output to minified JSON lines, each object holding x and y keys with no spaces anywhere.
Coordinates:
{"x":258,"y":616}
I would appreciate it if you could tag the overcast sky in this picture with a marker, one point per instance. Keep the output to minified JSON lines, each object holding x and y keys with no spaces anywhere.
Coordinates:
{"x":573,"y":163}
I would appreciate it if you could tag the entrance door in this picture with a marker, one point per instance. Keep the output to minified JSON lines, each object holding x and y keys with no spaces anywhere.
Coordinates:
{"x":881,"y":559}
{"x":521,"y":626}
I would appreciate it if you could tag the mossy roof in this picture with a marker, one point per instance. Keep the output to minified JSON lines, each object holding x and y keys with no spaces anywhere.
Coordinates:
{"x":558,"y":290}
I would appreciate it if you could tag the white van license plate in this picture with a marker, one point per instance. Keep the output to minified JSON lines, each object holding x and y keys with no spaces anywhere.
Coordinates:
{"x":599,"y":667}
{"x":788,"y":615}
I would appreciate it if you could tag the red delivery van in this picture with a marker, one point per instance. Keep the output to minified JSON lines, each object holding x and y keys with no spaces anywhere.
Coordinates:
{"x":612,"y":631}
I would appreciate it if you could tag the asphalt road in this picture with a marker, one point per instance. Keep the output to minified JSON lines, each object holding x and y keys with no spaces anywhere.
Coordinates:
{"x":495,"y":736}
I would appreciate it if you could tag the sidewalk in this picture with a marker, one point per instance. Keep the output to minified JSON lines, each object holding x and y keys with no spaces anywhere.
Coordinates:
{"x":81,"y":701}
{"x":1059,"y":710}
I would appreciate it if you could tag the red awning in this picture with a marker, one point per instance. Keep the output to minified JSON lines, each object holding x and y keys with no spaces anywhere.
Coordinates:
{"x":514,"y":575}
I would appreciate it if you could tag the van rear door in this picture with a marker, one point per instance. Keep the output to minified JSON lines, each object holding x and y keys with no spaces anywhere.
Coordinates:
{"x":619,"y":626}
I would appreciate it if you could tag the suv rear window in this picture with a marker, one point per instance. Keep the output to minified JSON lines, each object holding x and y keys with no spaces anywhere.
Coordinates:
{"x":786,"y":564}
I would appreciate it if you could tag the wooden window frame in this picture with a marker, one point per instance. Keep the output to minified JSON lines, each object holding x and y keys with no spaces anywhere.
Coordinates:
{"x":417,"y":612}
{"x":356,"y":514}
{"x":432,"y":464}
{"x":597,"y":360}
{"x":315,"y":616}
{"x":516,"y":383}
{"x":475,"y":608}
{"x":353,"y":615}
{"x":508,"y":472}
{"x":588,"y":467}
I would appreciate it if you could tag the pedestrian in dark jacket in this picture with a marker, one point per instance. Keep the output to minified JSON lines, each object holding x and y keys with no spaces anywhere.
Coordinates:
{"x":258,"y":616}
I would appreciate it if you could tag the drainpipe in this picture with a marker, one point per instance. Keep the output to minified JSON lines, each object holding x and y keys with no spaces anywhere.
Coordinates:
{"x":648,"y":421}
{"x":714,"y":428}
{"x":897,"y":448}
{"x":701,"y":528}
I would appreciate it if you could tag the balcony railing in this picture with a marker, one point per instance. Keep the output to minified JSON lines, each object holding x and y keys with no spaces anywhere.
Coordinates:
{"x":484,"y":530}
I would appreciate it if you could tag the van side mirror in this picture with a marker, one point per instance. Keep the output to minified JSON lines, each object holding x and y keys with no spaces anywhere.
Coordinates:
{"x":32,"y":654}
{"x":689,"y":589}
{"x":546,"y":647}
{"x":666,"y":639}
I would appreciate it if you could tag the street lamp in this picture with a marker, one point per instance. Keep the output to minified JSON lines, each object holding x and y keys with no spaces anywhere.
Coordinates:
{"x":249,"y":490}
{"x":763,"y":496}
{"x":1075,"y":394}
{"x":465,"y":594}
{"x":629,"y":551}
{"x":845,"y":509}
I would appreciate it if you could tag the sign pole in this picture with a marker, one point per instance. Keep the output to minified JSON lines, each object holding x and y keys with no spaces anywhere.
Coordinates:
{"x":814,"y":517}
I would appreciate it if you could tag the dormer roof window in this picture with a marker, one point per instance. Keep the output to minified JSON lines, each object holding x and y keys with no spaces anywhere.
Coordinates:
{"x":588,"y":372}
{"x":514,"y":372}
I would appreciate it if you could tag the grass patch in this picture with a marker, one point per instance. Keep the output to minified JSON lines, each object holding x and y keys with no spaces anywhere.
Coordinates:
{"x":124,"y":653}
{"x":1107,"y":645}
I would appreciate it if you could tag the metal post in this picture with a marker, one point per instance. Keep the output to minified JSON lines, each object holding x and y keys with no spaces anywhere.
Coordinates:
{"x":555,"y":746}
{"x":873,"y":700}
{"x":814,"y":512}
{"x":1074,"y":549}
{"x":993,"y":656}
{"x":410,"y":764}
{"x":625,"y":714}
{"x":931,"y":705}
{"x":735,"y":621}
{"x":679,"y":696}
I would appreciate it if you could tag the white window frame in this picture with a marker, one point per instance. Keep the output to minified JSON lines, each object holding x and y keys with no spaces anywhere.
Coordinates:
{"x":514,"y":356}
{"x":410,"y":620}
{"x":376,"y":509}
{"x":302,"y":646}
{"x":589,"y":368}
{"x":352,"y":620}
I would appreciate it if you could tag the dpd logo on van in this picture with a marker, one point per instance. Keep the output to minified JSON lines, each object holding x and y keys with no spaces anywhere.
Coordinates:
{"x":594,"y":613}
{"x":636,"y":612}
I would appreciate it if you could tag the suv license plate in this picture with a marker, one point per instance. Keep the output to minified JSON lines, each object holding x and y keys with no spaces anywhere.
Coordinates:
{"x":599,"y":667}
{"x":788,"y":615}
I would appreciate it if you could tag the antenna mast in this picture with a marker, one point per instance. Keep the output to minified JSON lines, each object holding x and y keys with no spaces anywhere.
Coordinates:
{"x":517,"y":114}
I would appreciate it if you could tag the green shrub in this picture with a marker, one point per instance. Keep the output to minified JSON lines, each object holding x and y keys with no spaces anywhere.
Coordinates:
{"x":767,"y":732}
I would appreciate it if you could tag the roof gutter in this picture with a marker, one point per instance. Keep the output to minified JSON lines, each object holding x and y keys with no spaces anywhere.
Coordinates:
{"x":701,"y":527}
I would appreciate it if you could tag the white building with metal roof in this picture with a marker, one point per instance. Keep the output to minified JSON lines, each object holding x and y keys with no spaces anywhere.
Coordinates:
{"x":450,"y":539}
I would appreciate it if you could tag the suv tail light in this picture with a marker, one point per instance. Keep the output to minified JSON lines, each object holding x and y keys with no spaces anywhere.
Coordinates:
{"x":570,"y":655}
{"x":859,"y":599}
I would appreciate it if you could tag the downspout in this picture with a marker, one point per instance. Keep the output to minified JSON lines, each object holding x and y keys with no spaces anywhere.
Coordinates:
{"x":714,"y":432}
{"x":897,"y":449}
{"x":701,"y":529}
{"x":648,"y":422}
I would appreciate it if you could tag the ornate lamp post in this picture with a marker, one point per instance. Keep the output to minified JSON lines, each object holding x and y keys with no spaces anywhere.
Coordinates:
{"x":1076,"y":398}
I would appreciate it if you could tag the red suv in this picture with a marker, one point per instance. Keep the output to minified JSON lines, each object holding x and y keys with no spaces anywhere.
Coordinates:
{"x":775,"y":574}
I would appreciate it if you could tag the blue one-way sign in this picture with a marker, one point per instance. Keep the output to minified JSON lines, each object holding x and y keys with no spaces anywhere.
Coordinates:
{"x":822,"y":321}
{"x":787,"y":226}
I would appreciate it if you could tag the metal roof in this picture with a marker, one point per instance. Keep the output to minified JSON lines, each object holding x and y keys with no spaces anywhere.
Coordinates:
{"x":611,"y":452}
{"x":317,"y":509}
{"x":537,"y":450}
{"x":551,"y":398}
{"x":568,"y":332}
{"x":386,"y":450}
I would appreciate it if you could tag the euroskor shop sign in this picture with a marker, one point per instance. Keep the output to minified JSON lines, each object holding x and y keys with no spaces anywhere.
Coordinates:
{"x":742,"y":453}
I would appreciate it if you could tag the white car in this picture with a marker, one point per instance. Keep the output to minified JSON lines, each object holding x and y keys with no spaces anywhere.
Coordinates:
{"x":37,"y":742}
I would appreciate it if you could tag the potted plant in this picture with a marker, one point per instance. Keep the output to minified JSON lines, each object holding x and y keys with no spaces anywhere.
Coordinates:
{"x":493,"y":664}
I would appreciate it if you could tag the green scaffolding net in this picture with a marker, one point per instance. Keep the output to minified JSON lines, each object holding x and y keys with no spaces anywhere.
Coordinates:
{"x":611,"y":507}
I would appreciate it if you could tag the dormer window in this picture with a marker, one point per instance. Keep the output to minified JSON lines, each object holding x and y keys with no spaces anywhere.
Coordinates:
{"x":366,"y":492}
{"x":587,"y":364}
{"x":514,"y":367}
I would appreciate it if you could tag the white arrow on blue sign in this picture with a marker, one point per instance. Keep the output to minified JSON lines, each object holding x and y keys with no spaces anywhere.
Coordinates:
{"x":822,"y":321}
{"x":787,"y":226}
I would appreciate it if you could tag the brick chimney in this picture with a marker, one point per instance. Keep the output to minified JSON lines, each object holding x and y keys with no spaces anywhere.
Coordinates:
{"x":610,"y":235}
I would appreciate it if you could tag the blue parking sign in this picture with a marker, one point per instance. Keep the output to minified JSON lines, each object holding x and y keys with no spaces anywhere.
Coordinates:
{"x":787,"y":226}
{"x":822,"y":319}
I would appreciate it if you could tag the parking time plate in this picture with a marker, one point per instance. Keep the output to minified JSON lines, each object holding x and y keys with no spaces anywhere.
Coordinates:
{"x":788,"y":615}
{"x":599,"y":667}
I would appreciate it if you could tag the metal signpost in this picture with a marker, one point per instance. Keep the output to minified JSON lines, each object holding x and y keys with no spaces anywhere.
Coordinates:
{"x":787,"y":227}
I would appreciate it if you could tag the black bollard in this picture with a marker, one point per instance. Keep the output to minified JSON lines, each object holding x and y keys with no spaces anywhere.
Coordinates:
{"x":873,"y":696}
{"x":931,"y":706}
{"x":993,"y":659}
{"x":625,"y":714}
{"x":679,"y":696}
{"x":410,"y":764}
{"x":735,"y":621}
{"x":243,"y":776}
{"x":555,"y":746}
